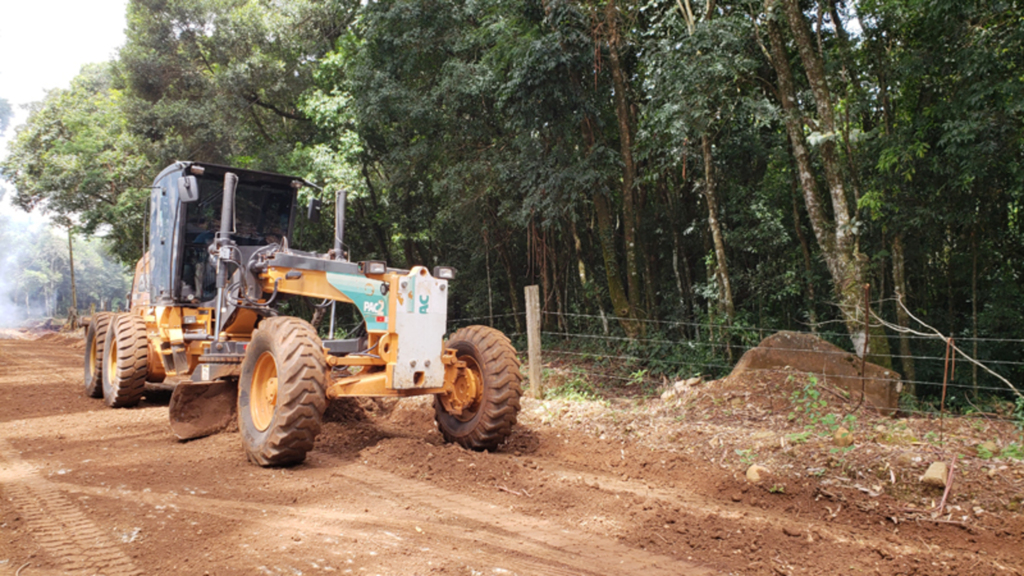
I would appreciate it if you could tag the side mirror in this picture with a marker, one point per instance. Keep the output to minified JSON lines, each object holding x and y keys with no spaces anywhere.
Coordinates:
{"x":313,"y":210}
{"x":188,"y":189}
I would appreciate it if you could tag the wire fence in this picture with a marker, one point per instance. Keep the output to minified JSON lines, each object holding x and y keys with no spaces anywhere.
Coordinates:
{"x":660,"y":352}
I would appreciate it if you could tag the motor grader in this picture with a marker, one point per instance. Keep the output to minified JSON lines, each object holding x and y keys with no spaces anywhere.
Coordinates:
{"x":205,"y":322}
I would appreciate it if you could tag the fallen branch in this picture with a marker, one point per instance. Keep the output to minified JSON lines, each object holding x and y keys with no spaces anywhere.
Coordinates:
{"x":949,"y":485}
{"x":504,"y":489}
{"x":936,"y":334}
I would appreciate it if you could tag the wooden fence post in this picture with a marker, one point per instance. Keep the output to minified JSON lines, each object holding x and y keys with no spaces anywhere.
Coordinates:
{"x":533,"y":340}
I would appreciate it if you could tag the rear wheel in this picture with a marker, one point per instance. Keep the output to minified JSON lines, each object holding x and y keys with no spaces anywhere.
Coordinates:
{"x":282,"y":392}
{"x":481,"y":411}
{"x":94,"y":338}
{"x":125,"y":361}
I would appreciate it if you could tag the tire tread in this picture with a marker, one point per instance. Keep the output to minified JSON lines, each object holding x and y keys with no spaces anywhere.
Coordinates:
{"x":96,"y":337}
{"x":503,"y":387}
{"x":302,"y":393}
{"x":127,"y":385}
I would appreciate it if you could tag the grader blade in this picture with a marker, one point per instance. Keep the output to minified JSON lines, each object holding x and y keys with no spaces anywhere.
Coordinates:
{"x":200,"y":409}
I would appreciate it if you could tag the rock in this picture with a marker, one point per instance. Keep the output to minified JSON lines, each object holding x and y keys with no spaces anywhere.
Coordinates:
{"x":990,"y":447}
{"x":842,"y":437}
{"x":909,"y":460}
{"x":936,"y":475}
{"x":681,"y":385}
{"x":811,"y":355}
{"x":756,"y":472}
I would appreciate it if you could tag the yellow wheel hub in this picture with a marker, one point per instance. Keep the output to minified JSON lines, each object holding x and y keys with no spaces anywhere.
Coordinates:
{"x":263,"y":392}
{"x":464,"y":398}
{"x":111,"y":366}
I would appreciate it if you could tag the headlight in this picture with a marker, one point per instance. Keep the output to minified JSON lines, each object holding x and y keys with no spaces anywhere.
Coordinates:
{"x":373,"y":267}
{"x":444,"y":272}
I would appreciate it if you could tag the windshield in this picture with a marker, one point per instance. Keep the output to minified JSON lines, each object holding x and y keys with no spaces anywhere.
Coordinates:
{"x":262,"y":215}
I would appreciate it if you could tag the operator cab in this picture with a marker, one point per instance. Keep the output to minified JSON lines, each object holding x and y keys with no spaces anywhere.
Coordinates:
{"x":183,"y":228}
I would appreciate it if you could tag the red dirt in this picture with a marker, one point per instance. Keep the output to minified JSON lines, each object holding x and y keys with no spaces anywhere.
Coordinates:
{"x":581,"y":488}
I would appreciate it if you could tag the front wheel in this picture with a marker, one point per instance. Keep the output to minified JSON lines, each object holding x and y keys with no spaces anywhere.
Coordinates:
{"x":282,"y":392}
{"x":481,"y":412}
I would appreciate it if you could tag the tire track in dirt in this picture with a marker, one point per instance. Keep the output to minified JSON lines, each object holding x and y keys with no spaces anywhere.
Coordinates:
{"x":537,"y":537}
{"x":326,"y":522}
{"x":698,"y":507}
{"x":329,"y":522}
{"x":57,"y":524}
{"x":489,"y":534}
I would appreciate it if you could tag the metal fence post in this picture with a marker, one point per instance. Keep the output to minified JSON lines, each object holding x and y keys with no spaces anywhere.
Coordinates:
{"x":533,"y":339}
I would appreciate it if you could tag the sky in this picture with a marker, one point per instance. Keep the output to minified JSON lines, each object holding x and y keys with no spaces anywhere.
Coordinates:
{"x":43,"y":45}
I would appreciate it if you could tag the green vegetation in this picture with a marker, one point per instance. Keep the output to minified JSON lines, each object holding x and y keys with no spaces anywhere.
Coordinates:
{"x":747,"y":457}
{"x":811,"y":408}
{"x":668,"y":171}
{"x":1013,"y":450}
{"x":35,"y":279}
{"x":577,"y":388}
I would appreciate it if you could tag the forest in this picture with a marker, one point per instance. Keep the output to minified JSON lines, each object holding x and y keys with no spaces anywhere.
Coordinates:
{"x":683,"y":170}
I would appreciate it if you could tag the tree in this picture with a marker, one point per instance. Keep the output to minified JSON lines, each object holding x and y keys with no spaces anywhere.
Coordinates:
{"x":75,"y":158}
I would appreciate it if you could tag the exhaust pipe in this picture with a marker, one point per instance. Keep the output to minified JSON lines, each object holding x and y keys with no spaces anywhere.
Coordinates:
{"x":223,"y":246}
{"x":339,"y":225}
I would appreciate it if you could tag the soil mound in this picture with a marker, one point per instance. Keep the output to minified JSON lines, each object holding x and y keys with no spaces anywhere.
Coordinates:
{"x":12,"y":334}
{"x":806,"y":353}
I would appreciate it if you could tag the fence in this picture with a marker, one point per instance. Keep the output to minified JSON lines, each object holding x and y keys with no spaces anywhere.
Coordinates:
{"x":596,"y":347}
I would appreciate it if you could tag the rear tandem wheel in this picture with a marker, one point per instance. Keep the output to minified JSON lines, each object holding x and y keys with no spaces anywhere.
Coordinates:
{"x":125,"y":361}
{"x":95,"y":336}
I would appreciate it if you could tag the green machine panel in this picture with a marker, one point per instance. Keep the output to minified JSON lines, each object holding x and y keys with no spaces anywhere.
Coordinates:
{"x":370,"y":296}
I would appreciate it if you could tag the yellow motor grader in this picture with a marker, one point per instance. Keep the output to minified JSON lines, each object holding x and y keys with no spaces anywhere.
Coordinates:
{"x":204,"y":322}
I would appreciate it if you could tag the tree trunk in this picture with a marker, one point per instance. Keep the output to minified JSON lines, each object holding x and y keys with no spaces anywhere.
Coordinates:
{"x":710,"y":195}
{"x":487,"y":267}
{"x":628,"y":165}
{"x":812,"y":316}
{"x":974,"y":309}
{"x":318,"y":317}
{"x":815,"y":71}
{"x":513,"y":294}
{"x":617,"y":293}
{"x":73,"y":315}
{"x":899,"y":288}
{"x":683,"y":284}
{"x":559,"y":307}
{"x":838,"y":245}
{"x":606,"y":237}
{"x":378,"y":231}
{"x":582,"y":269}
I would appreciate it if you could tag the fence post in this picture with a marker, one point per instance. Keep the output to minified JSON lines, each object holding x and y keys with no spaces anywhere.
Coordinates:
{"x":533,"y":339}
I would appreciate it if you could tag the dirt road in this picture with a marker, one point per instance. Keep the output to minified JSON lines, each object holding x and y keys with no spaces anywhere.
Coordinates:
{"x":90,"y":490}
